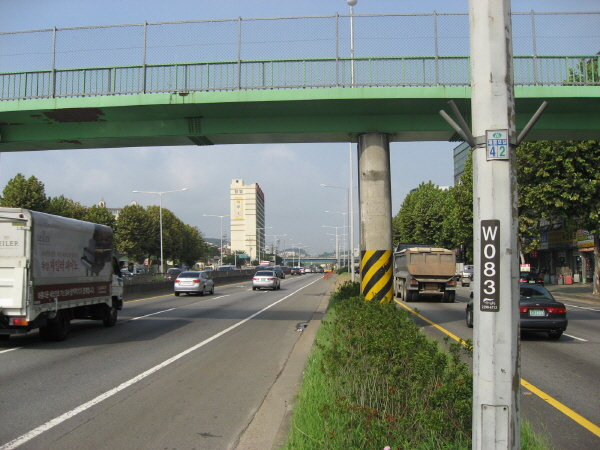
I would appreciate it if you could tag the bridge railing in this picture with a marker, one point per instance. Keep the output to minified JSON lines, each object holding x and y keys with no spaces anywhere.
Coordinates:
{"x":283,"y":53}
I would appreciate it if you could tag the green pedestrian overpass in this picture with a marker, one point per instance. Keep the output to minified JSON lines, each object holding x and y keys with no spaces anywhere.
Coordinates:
{"x":246,"y":81}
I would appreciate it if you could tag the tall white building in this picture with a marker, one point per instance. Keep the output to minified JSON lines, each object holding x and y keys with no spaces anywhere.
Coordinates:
{"x":247,"y":218}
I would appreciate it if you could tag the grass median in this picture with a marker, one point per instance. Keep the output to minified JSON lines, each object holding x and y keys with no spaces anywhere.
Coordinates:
{"x":374,"y":380}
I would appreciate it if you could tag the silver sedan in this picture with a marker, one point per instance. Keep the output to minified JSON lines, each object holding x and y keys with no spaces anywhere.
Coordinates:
{"x":196,"y":282}
{"x":265,"y":279}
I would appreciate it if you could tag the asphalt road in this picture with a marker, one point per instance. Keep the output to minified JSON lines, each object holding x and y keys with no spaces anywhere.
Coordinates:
{"x":184,"y":372}
{"x":563,"y":371}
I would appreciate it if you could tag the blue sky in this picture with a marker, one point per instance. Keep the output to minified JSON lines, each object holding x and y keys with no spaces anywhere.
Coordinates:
{"x":290,"y":175}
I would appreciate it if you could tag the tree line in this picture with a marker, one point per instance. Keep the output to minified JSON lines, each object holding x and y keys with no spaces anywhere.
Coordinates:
{"x":557,"y":180}
{"x":137,"y":230}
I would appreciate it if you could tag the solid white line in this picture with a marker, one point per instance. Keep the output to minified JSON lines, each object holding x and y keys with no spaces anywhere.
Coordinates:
{"x":60,"y":419}
{"x":574,"y":337}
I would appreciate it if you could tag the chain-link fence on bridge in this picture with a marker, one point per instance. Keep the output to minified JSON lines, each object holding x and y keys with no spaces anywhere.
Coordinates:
{"x":294,"y":52}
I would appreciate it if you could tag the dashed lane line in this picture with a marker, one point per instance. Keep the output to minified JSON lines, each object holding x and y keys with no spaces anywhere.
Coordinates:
{"x":69,"y":414}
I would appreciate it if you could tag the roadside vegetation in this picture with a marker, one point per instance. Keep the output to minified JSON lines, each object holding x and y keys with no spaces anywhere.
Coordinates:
{"x":136,"y":230}
{"x":374,"y":380}
{"x":558,"y":181}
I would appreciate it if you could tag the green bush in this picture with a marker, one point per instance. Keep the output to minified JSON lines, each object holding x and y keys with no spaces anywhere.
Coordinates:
{"x":381,"y":382}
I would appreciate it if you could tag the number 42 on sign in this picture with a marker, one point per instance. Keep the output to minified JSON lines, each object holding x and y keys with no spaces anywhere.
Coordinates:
{"x":497,"y":144}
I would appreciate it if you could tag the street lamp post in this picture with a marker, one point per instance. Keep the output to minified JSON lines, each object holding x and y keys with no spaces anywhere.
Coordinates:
{"x":351,"y":3}
{"x":293,"y":258}
{"x":249,"y":240}
{"x":258,"y":246}
{"x":337,"y":253}
{"x":162,"y":261}
{"x":221,"y":217}
{"x":275,"y":236}
{"x":345,"y":214}
{"x":350,"y":216}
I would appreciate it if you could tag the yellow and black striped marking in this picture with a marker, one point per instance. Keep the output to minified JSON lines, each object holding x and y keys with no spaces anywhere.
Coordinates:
{"x":376,"y":275}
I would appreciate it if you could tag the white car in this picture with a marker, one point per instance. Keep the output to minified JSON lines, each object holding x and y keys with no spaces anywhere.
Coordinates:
{"x":466,"y":276}
{"x":265,"y":279}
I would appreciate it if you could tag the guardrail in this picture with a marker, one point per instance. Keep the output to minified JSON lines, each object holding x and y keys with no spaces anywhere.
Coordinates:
{"x":579,"y":70}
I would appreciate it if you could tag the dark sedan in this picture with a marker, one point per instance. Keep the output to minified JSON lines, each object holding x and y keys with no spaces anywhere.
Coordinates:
{"x":296,"y":271}
{"x":531,"y":278}
{"x":538,"y":311}
{"x":172,"y":274}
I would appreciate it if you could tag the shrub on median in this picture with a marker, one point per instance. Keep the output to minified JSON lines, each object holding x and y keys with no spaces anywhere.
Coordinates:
{"x":376,"y":380}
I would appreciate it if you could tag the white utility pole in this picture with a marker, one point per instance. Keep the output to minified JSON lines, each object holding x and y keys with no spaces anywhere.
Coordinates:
{"x":496,"y":361}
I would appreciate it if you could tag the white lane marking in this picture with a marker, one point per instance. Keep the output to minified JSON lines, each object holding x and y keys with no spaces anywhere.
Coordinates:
{"x":582,"y":307}
{"x":10,"y":349}
{"x":167,"y":310}
{"x":60,"y":419}
{"x":147,"y":315}
{"x":575,"y":337}
{"x":133,"y":318}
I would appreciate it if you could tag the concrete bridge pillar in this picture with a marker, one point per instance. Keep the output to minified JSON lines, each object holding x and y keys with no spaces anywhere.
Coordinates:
{"x":375,"y":203}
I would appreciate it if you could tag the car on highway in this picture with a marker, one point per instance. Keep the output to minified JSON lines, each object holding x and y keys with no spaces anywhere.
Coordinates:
{"x":296,"y":271}
{"x":172,"y":274}
{"x":307,"y":269}
{"x":319,"y":269}
{"x":538,"y":311}
{"x":278,"y":270}
{"x":466,"y":276}
{"x":265,"y":279}
{"x":227,"y":267}
{"x":531,"y":278}
{"x":194,"y":282}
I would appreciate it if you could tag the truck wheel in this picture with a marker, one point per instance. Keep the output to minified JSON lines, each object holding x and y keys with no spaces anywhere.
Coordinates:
{"x":451,"y":297}
{"x":57,"y":329}
{"x":110,"y":320}
{"x":413,"y":296}
{"x":404,"y":292}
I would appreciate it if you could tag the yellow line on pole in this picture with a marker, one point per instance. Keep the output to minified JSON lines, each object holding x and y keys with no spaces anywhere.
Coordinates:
{"x":595,"y":429}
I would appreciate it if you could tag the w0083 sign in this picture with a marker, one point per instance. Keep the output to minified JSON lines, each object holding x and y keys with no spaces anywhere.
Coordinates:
{"x":489,"y":299}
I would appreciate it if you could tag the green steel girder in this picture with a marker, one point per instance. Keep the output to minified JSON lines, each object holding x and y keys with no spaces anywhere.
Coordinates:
{"x":275,"y":116}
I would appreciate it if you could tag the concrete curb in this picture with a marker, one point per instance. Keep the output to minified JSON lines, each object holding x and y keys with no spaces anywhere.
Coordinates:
{"x":271,"y":423}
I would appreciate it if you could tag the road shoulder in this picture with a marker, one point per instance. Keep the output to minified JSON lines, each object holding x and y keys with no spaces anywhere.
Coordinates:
{"x":270,"y":425}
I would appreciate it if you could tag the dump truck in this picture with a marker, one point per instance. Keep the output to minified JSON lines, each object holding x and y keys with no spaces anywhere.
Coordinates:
{"x":54,"y":270}
{"x":424,"y":270}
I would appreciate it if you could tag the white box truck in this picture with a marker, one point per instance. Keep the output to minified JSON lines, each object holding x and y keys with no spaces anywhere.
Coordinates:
{"x":53,"y":270}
